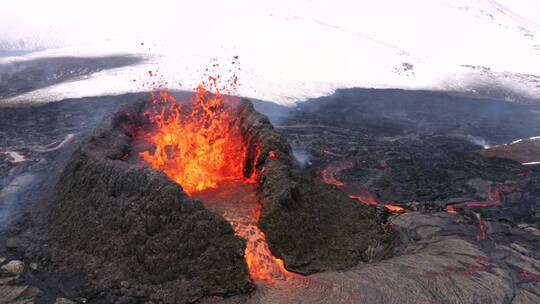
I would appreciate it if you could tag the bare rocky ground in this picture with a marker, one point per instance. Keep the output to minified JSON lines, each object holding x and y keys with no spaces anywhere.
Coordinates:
{"x":413,"y":149}
{"x":441,"y":262}
{"x":526,"y":151}
{"x":470,"y":231}
{"x":44,"y":137}
{"x":25,"y":76}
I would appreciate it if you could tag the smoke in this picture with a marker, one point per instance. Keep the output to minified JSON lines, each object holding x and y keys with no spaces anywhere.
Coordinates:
{"x":13,"y":197}
{"x":478,"y":141}
{"x":302,"y":157}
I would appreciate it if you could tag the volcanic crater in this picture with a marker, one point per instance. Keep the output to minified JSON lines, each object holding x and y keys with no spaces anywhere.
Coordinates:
{"x":174,"y":201}
{"x":119,"y":230}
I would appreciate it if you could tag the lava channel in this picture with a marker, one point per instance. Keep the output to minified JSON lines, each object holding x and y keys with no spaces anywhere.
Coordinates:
{"x":198,"y":144}
{"x":328,"y":176}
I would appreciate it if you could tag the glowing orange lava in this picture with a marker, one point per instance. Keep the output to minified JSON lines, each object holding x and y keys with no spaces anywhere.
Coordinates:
{"x":238,"y":203}
{"x":197,"y":144}
{"x":451,"y":209}
{"x":394,"y":208}
{"x":328,"y":176}
{"x":493,"y":195}
{"x":262,"y":265}
{"x":364,"y":197}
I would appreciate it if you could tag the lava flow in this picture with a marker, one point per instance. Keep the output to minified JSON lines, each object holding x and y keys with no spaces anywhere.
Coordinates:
{"x":493,"y":198}
{"x":493,"y":195}
{"x":328,"y":176}
{"x":237,"y":203}
{"x":199,"y":145}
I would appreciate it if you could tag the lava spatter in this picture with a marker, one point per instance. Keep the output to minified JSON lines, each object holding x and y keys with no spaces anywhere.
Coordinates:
{"x":237,"y":202}
{"x":198,"y":144}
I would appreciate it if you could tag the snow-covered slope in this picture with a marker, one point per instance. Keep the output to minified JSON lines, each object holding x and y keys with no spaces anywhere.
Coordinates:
{"x":290,"y":50}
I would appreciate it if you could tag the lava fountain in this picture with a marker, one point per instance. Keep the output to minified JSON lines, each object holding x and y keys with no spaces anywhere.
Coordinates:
{"x":198,"y":144}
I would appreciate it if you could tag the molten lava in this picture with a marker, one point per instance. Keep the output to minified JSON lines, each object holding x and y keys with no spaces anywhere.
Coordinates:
{"x":262,"y":265}
{"x":198,"y":144}
{"x":237,"y":202}
{"x":364,"y":196}
{"x":394,"y":208}
{"x":493,"y":198}
{"x":328,"y":176}
{"x":493,"y":195}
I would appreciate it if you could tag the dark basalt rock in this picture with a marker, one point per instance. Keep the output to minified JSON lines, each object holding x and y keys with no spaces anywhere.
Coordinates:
{"x":524,"y":151}
{"x":132,"y":229}
{"x":312,"y":226}
{"x":422,"y":151}
{"x":447,"y":171}
{"x":25,"y":76}
{"x":442,"y":256}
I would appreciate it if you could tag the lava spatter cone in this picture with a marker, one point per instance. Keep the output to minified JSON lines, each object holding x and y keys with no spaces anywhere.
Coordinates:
{"x":123,"y":209}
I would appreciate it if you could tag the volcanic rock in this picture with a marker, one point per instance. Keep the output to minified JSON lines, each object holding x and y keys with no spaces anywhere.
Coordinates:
{"x":167,"y":246}
{"x":63,"y":301}
{"x":523,"y":151}
{"x":311,"y":226}
{"x":14,"y":242}
{"x":122,"y":222}
{"x":441,"y":258}
{"x":419,"y":150}
{"x":14,"y":267}
{"x":11,"y":293}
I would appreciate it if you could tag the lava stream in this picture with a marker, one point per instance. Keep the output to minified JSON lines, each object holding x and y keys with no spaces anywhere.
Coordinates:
{"x":493,"y":195}
{"x":262,"y":265}
{"x":328,"y":176}
{"x":198,"y":144}
{"x":237,"y":203}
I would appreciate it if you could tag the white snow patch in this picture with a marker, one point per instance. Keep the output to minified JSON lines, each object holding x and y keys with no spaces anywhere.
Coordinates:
{"x":15,"y":156}
{"x":531,"y":163}
{"x":289,"y":51}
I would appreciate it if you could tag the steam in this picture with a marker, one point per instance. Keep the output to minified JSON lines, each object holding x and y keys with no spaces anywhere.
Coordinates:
{"x":479,"y":141}
{"x":302,"y":157}
{"x":12,"y":196}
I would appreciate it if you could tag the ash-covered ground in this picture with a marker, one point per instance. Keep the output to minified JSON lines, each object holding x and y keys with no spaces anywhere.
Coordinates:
{"x":469,"y":232}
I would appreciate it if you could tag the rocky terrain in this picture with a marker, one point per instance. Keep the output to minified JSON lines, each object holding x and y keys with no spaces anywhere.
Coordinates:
{"x":309,"y":225}
{"x":420,"y":149}
{"x":468,"y":234}
{"x":25,"y":76}
{"x":133,"y":229}
{"x":525,"y":151}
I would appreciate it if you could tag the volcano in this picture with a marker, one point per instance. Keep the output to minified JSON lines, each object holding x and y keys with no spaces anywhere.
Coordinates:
{"x":201,"y":197}
{"x":307,"y":218}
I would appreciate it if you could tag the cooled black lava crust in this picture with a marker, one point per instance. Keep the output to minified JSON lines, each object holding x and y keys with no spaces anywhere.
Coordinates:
{"x":135,"y":232}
